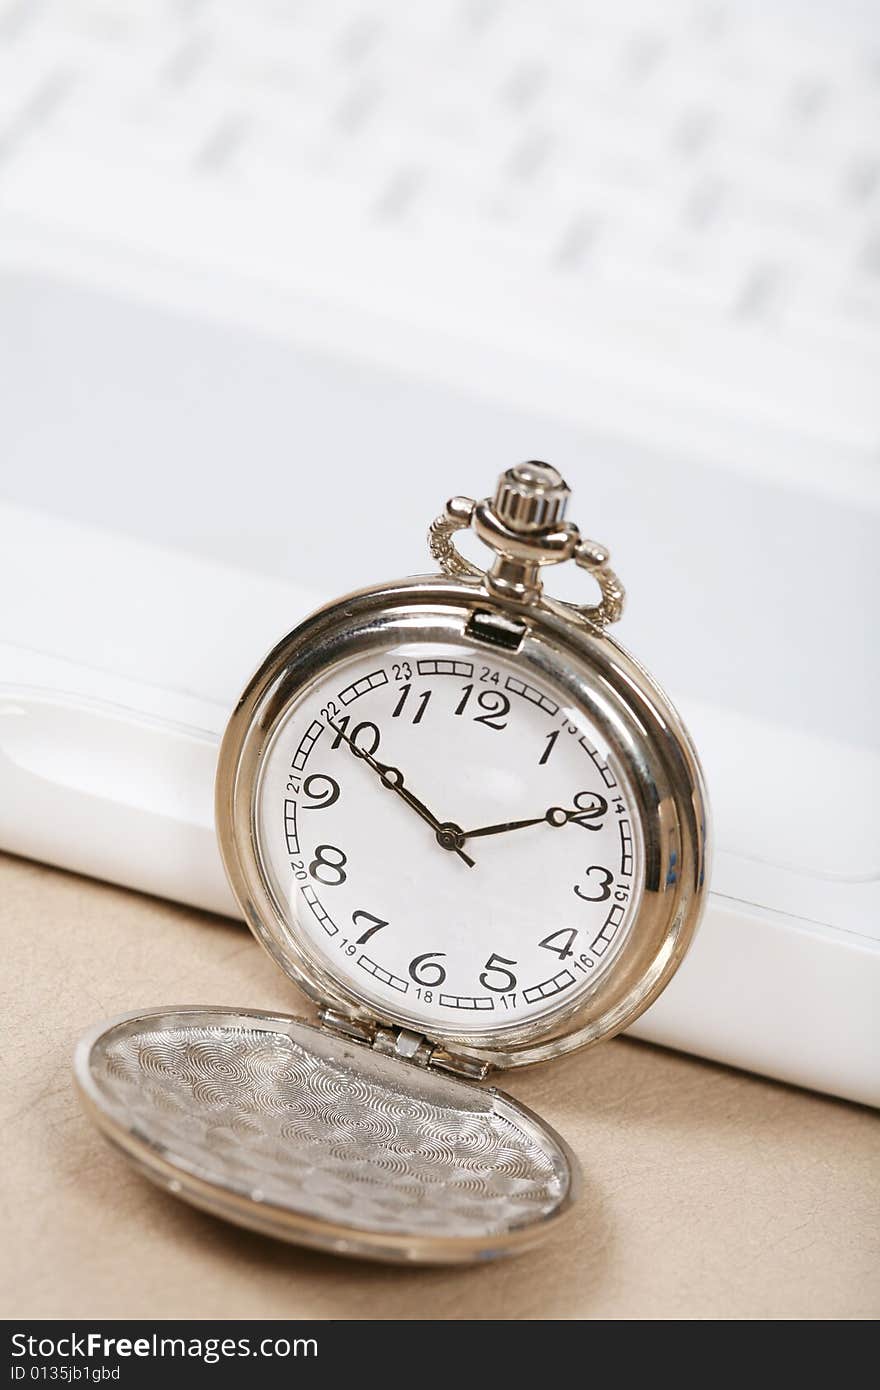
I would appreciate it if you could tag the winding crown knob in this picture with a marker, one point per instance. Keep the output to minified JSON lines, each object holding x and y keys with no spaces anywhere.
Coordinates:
{"x":531,"y":496}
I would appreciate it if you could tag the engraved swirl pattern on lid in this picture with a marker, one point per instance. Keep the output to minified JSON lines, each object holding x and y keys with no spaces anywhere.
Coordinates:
{"x":317,"y":1126}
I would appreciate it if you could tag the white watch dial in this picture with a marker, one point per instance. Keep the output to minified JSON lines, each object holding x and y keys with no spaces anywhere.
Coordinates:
{"x":448,"y":838}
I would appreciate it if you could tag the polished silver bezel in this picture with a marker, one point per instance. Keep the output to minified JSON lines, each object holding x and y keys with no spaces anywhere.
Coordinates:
{"x":645,"y":736}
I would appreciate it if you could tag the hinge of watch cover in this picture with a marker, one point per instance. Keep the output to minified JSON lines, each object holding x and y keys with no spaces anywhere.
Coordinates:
{"x":407,"y":1046}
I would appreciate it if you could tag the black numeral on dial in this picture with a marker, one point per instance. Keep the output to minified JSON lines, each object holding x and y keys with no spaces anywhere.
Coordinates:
{"x":322,"y":791}
{"x":427,"y":970}
{"x":504,"y":980}
{"x":603,"y":881}
{"x":421,"y":704}
{"x":364,"y":736}
{"x":550,"y":741}
{"x":328,"y":865}
{"x":591,"y":808}
{"x":560,"y":942}
{"x":495,"y":705}
{"x":377,"y":923}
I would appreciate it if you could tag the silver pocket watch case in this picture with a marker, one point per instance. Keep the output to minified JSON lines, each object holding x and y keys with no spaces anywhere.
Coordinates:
{"x":354,"y":1134}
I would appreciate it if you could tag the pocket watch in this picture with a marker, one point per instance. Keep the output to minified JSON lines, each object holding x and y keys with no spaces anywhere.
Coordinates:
{"x":473,"y":829}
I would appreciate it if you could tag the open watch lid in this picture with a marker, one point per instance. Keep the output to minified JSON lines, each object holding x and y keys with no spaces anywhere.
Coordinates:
{"x":301,"y":1134}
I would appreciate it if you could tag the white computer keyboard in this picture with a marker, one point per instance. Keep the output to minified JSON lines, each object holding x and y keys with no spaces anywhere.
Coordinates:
{"x":656,"y":221}
{"x":723,"y":158}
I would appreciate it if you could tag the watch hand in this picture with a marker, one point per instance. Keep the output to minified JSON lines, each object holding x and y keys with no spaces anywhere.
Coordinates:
{"x":448,"y":835}
{"x":555,"y":816}
{"x":499,"y":829}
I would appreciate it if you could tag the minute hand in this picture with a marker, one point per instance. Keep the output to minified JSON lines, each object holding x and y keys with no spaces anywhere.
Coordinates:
{"x":392,"y":777}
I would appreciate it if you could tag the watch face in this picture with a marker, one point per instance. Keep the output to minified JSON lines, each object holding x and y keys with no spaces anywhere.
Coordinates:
{"x":449,"y":837}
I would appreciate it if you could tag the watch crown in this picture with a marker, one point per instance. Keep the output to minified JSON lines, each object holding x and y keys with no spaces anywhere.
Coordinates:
{"x":531,"y":496}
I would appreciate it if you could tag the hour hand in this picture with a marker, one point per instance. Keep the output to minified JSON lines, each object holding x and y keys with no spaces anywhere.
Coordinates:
{"x":500,"y":829}
{"x":554,"y":816}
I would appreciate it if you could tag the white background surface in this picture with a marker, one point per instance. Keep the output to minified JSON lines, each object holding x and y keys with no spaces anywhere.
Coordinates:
{"x":224,"y":330}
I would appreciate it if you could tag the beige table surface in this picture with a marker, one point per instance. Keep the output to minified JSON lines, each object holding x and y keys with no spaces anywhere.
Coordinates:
{"x":708,"y":1193}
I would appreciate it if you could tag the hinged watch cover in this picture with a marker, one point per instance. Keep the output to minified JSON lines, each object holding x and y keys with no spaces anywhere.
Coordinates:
{"x":295,"y":1132}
